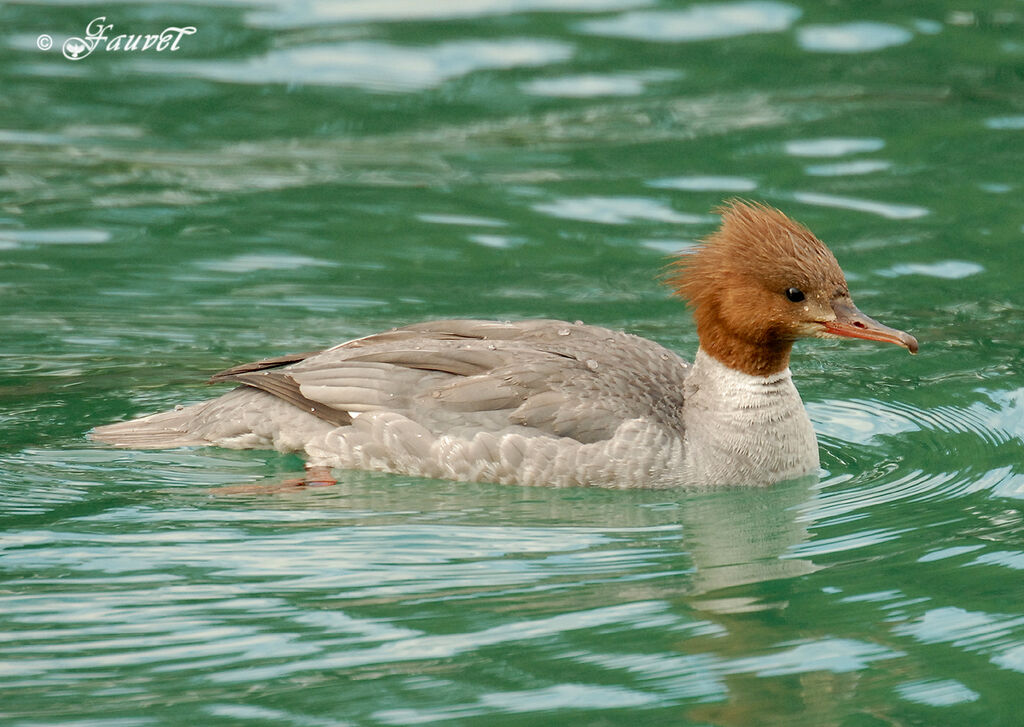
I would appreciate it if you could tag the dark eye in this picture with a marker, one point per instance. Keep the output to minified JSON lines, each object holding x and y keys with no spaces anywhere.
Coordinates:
{"x":795,"y":294}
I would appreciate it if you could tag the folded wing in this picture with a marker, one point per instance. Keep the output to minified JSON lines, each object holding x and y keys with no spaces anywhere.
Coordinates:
{"x":556,"y":378}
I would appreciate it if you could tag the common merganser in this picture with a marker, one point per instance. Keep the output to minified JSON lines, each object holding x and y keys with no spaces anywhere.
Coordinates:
{"x":546,"y":402}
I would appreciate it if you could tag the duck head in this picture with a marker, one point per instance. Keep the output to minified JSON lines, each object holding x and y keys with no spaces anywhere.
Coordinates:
{"x":760,"y":282}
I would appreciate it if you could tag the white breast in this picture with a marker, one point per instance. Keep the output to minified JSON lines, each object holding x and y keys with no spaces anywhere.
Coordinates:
{"x":743,"y":429}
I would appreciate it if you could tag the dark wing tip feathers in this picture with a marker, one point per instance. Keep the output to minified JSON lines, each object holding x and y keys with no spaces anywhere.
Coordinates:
{"x":261,"y":365}
{"x":284,"y":387}
{"x":260,"y":375}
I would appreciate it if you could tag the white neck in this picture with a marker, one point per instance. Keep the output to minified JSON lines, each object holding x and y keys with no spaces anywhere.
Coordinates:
{"x":743,"y":429}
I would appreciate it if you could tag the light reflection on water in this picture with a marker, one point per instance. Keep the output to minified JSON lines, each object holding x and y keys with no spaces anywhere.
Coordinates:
{"x":311,"y":172}
{"x":372,"y":66}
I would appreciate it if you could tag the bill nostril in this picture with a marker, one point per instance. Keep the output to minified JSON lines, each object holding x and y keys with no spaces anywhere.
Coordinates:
{"x":858,"y":324}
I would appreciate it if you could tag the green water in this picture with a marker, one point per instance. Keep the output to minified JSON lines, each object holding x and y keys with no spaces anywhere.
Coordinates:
{"x":299,"y":174}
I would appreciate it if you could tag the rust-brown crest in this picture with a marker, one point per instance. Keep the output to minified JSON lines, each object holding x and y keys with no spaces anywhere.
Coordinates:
{"x":736,"y":282}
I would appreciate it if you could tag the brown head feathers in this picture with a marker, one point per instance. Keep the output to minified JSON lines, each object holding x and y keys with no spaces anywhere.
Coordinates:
{"x":756,"y":284}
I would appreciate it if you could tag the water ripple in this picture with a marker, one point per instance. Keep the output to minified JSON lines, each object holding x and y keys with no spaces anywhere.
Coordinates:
{"x":419,"y":648}
{"x":832,"y":146}
{"x":834,"y":655}
{"x":415,"y":158}
{"x":311,"y":171}
{"x":698,"y":22}
{"x":285,"y":14}
{"x":945,"y":270}
{"x":252,"y":262}
{"x":1001,"y":123}
{"x":60,"y":236}
{"x":705,"y":184}
{"x":889,"y":210}
{"x":863,"y":166}
{"x":960,"y":628}
{"x":557,"y":697}
{"x":858,"y":431}
{"x":937,"y":692}
{"x":463,"y":220}
{"x":594,"y":85}
{"x":372,"y":65}
{"x":859,"y":37}
{"x":616,"y":210}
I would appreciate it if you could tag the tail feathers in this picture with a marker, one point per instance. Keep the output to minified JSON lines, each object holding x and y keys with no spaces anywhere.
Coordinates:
{"x":157,"y":431}
{"x":245,"y":418}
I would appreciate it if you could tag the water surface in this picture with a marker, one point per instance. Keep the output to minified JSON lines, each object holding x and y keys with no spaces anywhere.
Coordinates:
{"x":302,"y":173}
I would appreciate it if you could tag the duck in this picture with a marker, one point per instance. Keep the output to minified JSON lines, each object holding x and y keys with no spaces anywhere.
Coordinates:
{"x":555,"y":403}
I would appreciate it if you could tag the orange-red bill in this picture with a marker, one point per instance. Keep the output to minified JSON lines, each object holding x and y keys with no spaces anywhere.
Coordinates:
{"x":851,"y":323}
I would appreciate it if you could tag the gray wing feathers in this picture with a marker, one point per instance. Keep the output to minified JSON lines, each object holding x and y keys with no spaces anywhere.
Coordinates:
{"x":479,"y":393}
{"x":449,"y":359}
{"x":557,"y":378}
{"x":484,"y":385}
